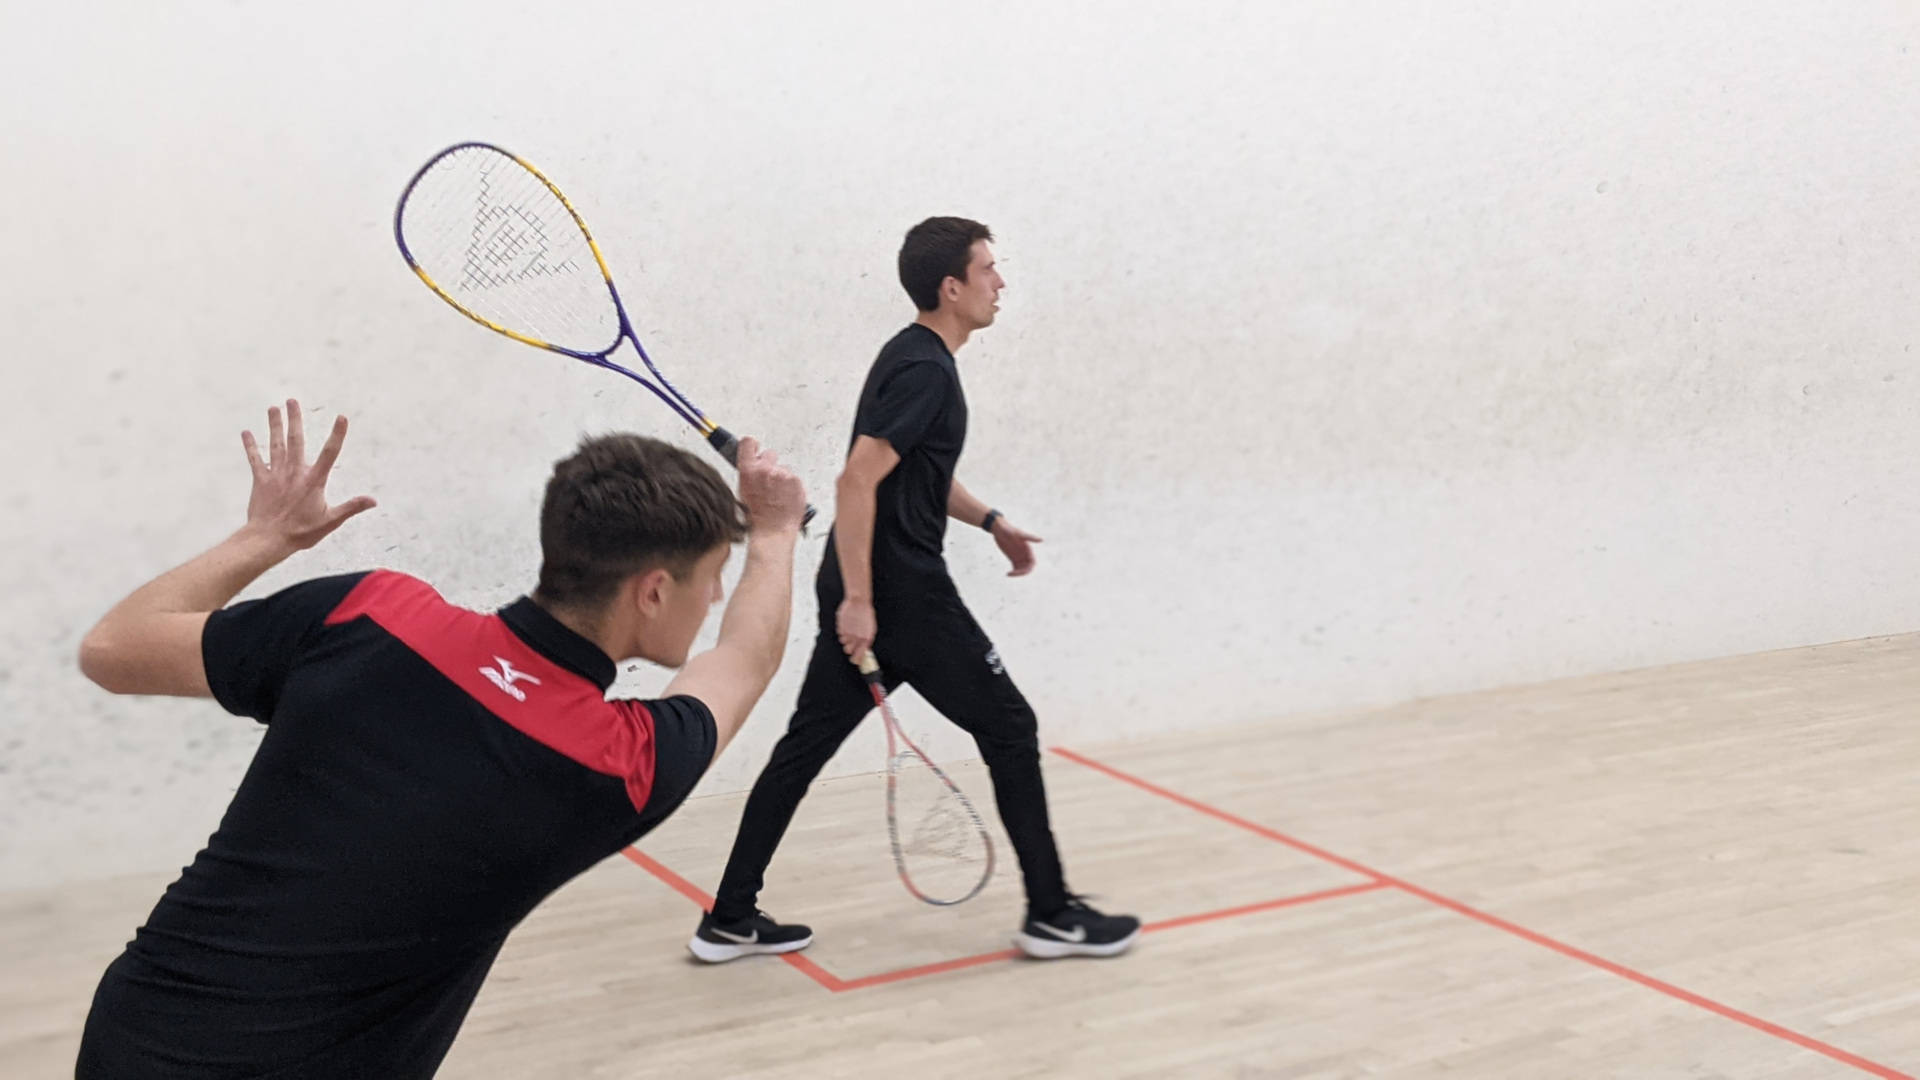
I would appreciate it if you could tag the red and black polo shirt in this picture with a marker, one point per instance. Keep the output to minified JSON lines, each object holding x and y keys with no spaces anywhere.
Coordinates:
{"x":427,"y":776}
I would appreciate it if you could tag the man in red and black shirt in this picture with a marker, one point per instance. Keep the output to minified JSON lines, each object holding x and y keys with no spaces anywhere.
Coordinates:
{"x":428,"y":774}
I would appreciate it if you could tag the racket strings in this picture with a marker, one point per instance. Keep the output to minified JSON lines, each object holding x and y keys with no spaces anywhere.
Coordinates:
{"x":939,"y":827}
{"x":503,"y":247}
{"x":510,"y":241}
{"x":940,"y":843}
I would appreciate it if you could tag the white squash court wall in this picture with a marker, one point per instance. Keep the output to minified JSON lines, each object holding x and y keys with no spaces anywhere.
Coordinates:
{"x":1353,"y":351}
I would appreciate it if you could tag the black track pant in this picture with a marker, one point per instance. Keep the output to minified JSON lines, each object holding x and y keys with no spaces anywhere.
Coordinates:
{"x":929,"y":641}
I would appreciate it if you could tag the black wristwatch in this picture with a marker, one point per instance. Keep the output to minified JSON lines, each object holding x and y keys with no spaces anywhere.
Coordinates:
{"x":992,"y":516}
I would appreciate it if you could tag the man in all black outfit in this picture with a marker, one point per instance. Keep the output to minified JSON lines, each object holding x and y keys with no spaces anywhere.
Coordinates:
{"x":883,"y":584}
{"x":428,"y":774}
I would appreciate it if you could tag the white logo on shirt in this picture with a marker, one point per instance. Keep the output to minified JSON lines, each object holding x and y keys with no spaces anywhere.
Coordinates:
{"x":505,"y":678}
{"x":993,"y":662}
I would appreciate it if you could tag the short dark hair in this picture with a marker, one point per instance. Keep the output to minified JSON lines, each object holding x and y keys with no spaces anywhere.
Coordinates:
{"x":625,"y":504}
{"x":935,"y":250}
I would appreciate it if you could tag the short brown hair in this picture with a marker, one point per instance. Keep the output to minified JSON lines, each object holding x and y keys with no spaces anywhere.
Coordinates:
{"x":625,"y":504}
{"x":935,"y":250}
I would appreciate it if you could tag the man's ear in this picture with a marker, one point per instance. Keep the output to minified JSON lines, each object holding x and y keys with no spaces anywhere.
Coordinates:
{"x":647,"y":593}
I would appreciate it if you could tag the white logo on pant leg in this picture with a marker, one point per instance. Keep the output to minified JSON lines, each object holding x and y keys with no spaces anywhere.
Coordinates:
{"x":505,"y":677}
{"x":993,"y":662}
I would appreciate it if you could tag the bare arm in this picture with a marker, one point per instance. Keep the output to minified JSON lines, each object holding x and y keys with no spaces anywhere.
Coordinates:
{"x":149,"y":643}
{"x":869,"y":463}
{"x":730,"y":677}
{"x":1015,"y":543}
{"x":965,"y":506}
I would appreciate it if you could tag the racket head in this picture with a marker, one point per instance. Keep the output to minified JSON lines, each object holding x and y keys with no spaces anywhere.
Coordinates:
{"x":493,"y":237}
{"x":940,"y":846}
{"x":939,"y":842}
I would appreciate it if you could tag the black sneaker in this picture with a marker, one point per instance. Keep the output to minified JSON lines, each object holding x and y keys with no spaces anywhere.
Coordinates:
{"x":718,"y":942}
{"x":1076,"y":930}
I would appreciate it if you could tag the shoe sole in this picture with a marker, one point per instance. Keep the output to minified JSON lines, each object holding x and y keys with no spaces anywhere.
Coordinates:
{"x":716,"y":952}
{"x":1050,"y":949}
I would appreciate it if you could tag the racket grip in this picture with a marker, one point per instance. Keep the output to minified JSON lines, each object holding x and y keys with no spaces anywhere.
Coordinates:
{"x":868,"y":666}
{"x":723,"y":440}
{"x":729,"y":447}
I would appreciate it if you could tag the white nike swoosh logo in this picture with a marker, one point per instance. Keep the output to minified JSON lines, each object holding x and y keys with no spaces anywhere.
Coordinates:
{"x":755,"y":936}
{"x":1079,"y":932}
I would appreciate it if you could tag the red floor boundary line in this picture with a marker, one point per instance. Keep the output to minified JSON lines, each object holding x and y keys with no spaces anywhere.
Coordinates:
{"x":693,"y":892}
{"x":672,"y":880}
{"x":1726,"y":1012}
{"x":938,"y":968}
{"x":1667,"y":988}
{"x":835,"y":984}
{"x":943,"y":966}
{"x":1266,"y":905}
{"x":1194,"y":804}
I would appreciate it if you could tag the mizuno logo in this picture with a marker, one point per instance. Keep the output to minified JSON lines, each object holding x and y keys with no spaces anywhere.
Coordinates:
{"x":1079,"y":932}
{"x":505,"y":677}
{"x":738,"y":939}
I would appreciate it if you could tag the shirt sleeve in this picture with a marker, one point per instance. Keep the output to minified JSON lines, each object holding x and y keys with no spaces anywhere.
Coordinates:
{"x":907,"y":405}
{"x":684,"y":737}
{"x":250,"y":647}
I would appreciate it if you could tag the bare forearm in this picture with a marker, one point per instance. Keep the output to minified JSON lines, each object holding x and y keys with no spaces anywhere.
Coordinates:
{"x":853,"y":536}
{"x":965,"y":506}
{"x":730,"y":677}
{"x":207,"y":582}
{"x":149,"y":642}
{"x":756,"y":620}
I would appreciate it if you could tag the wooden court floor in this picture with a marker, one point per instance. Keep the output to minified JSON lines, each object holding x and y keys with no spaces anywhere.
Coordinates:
{"x":1709,"y":870}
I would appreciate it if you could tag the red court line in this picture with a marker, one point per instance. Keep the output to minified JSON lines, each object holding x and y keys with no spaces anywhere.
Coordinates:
{"x":1194,"y":804}
{"x":1727,"y":1012}
{"x":693,"y":892}
{"x":815,"y":972}
{"x":1269,"y":905}
{"x":674,"y":881}
{"x":1165,"y":924}
{"x":930,"y":969}
{"x":837,"y":985}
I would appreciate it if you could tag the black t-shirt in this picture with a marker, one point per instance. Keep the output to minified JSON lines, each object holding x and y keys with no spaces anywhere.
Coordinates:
{"x":427,"y":776}
{"x":913,"y":400}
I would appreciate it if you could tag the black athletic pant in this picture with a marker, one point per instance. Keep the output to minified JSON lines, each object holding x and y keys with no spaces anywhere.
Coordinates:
{"x":929,"y":641}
